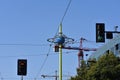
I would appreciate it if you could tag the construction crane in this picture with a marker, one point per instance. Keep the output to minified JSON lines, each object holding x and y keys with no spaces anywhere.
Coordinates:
{"x":80,"y":53}
{"x":80,"y":48}
{"x":55,"y":76}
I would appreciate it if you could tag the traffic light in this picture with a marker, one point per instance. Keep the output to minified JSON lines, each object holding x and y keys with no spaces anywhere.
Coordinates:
{"x":109,"y":35}
{"x":100,"y":32}
{"x":22,"y":67}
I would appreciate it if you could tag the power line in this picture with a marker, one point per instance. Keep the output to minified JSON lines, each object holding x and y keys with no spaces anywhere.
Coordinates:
{"x":64,"y":15}
{"x":43,"y":63}
{"x":15,"y":78}
{"x":65,"y":11}
{"x":37,"y":55}
{"x":23,"y":44}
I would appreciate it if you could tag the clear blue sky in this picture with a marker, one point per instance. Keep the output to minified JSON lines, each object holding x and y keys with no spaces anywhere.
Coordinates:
{"x":34,"y":21}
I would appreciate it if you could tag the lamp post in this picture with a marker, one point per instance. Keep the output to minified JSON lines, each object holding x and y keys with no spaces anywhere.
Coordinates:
{"x":60,"y":54}
{"x":60,"y":40}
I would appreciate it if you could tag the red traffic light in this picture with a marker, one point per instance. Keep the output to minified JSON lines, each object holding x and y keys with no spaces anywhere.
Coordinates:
{"x":22,"y":67}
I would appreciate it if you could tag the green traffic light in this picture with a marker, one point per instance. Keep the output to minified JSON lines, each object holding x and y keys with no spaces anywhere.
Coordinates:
{"x":100,"y":38}
{"x":100,"y":32}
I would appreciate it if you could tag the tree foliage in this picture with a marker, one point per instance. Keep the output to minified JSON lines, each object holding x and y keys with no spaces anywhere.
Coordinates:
{"x":107,"y":67}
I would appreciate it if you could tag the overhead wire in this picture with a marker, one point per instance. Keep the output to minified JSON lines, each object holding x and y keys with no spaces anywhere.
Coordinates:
{"x":10,"y":44}
{"x":55,"y":35}
{"x":43,"y":62}
{"x":33,"y":45}
{"x":15,"y":78}
{"x":62,"y":19}
{"x":66,"y":10}
{"x":37,"y":55}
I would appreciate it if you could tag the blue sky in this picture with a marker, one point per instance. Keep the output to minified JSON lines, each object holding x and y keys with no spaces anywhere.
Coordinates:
{"x":34,"y":21}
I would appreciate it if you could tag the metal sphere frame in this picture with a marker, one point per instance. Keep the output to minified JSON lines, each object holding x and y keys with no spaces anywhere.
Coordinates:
{"x":67,"y":39}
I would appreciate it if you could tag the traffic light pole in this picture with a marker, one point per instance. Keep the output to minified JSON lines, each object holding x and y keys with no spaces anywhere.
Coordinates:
{"x":60,"y":54}
{"x":22,"y":77}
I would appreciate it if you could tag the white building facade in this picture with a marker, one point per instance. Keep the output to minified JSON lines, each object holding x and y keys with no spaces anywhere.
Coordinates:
{"x":112,"y":45}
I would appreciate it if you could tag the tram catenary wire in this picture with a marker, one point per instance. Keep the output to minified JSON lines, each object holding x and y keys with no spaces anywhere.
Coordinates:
{"x":43,"y":62}
{"x":64,"y":15}
{"x":25,"y":44}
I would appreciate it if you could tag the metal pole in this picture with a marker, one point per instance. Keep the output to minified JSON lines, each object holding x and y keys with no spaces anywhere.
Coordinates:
{"x":60,"y":54}
{"x":56,"y":75}
{"x":21,"y":77}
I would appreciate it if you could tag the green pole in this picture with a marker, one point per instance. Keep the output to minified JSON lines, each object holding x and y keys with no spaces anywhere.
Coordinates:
{"x":60,"y":54}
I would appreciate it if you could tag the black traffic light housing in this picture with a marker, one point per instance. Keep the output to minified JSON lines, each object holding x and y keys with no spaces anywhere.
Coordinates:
{"x":100,"y":32}
{"x":22,"y":67}
{"x":109,"y":35}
